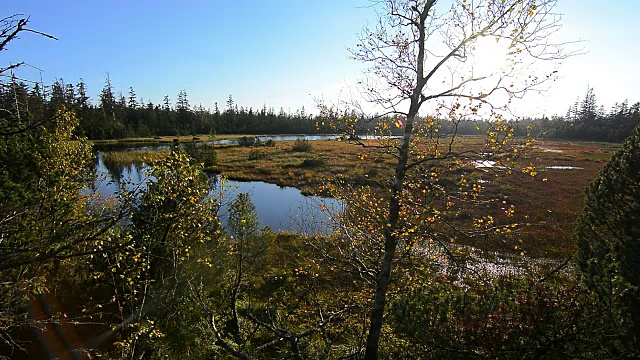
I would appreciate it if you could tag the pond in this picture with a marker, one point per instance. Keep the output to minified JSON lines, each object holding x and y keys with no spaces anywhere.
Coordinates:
{"x":281,"y":208}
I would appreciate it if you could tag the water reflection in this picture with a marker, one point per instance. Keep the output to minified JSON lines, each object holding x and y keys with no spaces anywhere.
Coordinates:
{"x":110,"y":177}
{"x":281,"y":208}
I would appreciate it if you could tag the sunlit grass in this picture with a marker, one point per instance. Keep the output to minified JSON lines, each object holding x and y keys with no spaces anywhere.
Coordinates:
{"x":546,"y":204}
{"x":125,"y":158}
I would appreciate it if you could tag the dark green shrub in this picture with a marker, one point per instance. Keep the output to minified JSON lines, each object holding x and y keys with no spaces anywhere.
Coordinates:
{"x":301,"y":145}
{"x":372,"y":172}
{"x":312,"y":163}
{"x":608,"y":240}
{"x":500,"y":319}
{"x":269,"y":143}
{"x":248,"y":141}
{"x":256,"y":155}
{"x":203,"y":153}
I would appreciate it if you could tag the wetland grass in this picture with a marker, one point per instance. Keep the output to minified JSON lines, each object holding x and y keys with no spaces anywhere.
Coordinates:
{"x":119,"y":159}
{"x":546,"y":205}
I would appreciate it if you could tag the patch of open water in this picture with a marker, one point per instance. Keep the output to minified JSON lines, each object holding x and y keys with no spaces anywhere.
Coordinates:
{"x":280,"y":208}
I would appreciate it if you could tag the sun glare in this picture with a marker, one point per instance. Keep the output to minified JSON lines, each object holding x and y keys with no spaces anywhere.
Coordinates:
{"x":489,"y":56}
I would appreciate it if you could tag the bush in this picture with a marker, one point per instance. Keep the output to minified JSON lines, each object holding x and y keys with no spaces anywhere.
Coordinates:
{"x":204,"y":153}
{"x":256,"y":155}
{"x":301,"y":145}
{"x":312,"y":163}
{"x":249,"y":141}
{"x":269,"y":143}
{"x":500,"y":319}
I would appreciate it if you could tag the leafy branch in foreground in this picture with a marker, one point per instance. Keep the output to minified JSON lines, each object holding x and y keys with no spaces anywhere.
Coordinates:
{"x":421,"y":55}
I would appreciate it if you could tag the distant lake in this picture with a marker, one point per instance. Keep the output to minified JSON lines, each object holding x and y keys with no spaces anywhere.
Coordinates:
{"x":145,"y":146}
{"x":281,"y":208}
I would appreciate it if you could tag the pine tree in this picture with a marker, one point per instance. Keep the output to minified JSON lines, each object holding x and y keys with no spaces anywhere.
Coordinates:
{"x":36,"y":103}
{"x":608,"y":237}
{"x":108,"y":101}
{"x":132,"y":103}
{"x":586,"y":113}
{"x":69,"y":94}
{"x":182,"y":104}
{"x":230,"y":104}
{"x":57,"y":96}
{"x":82,"y":100}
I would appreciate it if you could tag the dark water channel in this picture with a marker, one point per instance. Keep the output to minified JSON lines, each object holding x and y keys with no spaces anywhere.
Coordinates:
{"x":281,"y":208}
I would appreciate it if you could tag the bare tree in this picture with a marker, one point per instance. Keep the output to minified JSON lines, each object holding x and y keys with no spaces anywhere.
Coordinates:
{"x":10,"y":29}
{"x":459,"y":59}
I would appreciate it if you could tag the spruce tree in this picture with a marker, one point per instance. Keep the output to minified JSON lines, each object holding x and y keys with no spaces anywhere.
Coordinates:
{"x":608,"y":238}
{"x":132,"y":103}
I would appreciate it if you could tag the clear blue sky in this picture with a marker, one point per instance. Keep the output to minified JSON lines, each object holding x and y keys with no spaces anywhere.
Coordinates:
{"x":281,"y":53}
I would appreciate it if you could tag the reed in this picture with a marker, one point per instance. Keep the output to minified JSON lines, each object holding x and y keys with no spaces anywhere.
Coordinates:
{"x":126,"y":158}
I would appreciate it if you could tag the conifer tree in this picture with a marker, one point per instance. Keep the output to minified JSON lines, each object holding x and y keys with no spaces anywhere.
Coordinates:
{"x":132,"y":103}
{"x":82,"y":100}
{"x":108,"y":101}
{"x":608,"y":237}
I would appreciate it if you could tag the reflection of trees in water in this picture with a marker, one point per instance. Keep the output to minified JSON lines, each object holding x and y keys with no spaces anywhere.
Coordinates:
{"x":117,"y":171}
{"x":132,"y":170}
{"x":214,"y":182}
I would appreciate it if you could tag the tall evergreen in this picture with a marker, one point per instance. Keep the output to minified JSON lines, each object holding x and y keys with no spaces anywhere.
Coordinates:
{"x":182,"y":104}
{"x":132,"y":102}
{"x":108,"y":100}
{"x":57,"y":98}
{"x":587,"y":111}
{"x":608,"y":238}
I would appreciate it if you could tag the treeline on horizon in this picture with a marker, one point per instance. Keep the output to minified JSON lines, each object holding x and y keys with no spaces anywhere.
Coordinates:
{"x":119,"y":116}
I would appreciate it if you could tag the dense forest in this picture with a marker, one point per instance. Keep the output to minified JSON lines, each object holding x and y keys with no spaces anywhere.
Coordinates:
{"x":585,"y":120}
{"x":114,"y":117}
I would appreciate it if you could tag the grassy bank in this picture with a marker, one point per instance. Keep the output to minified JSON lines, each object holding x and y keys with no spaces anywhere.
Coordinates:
{"x":172,"y":139}
{"x":120,"y":159}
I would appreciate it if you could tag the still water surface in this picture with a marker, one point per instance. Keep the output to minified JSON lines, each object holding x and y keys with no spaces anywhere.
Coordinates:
{"x":281,"y":208}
